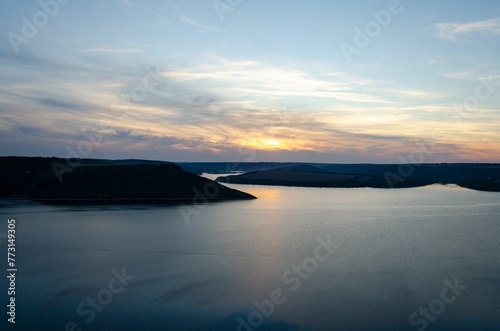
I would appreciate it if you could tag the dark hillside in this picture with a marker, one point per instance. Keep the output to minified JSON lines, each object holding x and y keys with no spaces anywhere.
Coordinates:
{"x":484,"y":177}
{"x":35,"y":178}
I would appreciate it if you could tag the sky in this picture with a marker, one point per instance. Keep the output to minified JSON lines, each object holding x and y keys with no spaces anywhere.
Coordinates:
{"x":362,"y":81}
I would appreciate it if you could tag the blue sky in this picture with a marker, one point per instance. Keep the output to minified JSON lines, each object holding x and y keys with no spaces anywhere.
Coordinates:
{"x":195,"y":80}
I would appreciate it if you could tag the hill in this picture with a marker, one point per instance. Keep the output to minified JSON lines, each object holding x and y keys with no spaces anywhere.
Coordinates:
{"x":484,"y":177}
{"x":105,"y":181}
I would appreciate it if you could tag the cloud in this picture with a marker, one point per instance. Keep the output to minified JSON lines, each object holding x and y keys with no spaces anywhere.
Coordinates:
{"x":260,"y":83}
{"x":209,"y":106}
{"x":161,"y":19}
{"x":189,"y":21}
{"x":472,"y":75}
{"x":453,"y":31}
{"x":109,"y":50}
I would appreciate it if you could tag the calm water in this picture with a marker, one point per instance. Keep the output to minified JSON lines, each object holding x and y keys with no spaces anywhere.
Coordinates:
{"x":392,"y":252}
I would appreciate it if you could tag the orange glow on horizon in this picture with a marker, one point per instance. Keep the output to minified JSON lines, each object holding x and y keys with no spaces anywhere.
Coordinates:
{"x":271,"y":144}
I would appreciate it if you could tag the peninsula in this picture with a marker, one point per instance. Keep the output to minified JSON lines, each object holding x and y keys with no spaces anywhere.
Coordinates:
{"x":91,"y":181}
{"x":482,"y":177}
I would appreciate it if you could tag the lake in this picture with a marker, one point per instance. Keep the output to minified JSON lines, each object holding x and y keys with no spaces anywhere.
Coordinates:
{"x":295,"y":259}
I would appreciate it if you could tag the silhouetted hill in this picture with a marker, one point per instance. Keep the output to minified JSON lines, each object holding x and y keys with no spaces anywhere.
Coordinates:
{"x":106,"y":181}
{"x":227,"y":167}
{"x":484,"y":177}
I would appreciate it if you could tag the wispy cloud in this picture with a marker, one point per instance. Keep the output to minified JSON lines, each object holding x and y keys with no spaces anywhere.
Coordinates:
{"x":127,"y":2}
{"x":161,"y":19}
{"x":260,"y":83}
{"x":189,"y":21}
{"x":109,"y":50}
{"x":453,"y":31}
{"x":213,"y":105}
{"x":471,"y":75}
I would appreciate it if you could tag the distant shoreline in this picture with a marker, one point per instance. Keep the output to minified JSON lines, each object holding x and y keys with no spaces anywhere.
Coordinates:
{"x":479,"y":177}
{"x":451,"y":186}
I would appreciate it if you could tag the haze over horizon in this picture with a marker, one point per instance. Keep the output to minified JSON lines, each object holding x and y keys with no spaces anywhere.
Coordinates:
{"x":340,"y":82}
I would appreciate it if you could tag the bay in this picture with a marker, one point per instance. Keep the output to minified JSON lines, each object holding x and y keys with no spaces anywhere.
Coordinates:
{"x":340,"y":259}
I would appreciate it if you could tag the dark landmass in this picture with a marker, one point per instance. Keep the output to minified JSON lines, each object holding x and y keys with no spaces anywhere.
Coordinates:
{"x":228,"y":167}
{"x":94,"y":181}
{"x":483,"y":177}
{"x":89,"y":181}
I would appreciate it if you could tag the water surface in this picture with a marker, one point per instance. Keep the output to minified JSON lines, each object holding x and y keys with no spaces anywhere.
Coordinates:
{"x":394,"y":251}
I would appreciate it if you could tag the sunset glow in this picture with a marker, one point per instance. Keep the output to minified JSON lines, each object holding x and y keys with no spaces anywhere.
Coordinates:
{"x":184,"y":85}
{"x":272,"y":143}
